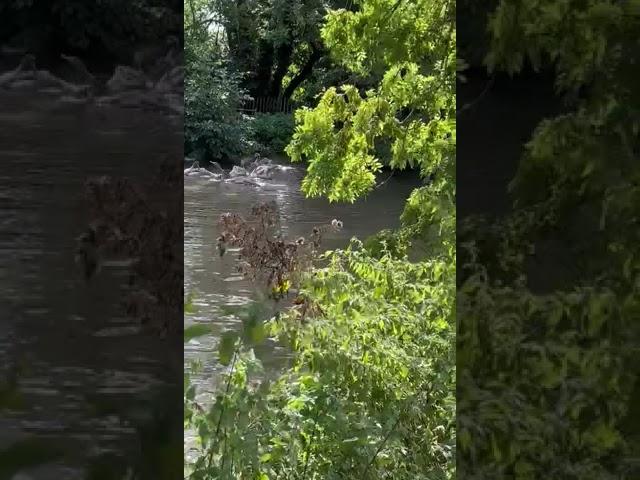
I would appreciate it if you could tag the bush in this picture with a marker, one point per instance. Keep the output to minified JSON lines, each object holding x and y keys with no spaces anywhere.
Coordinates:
{"x":370,"y":391}
{"x":272,"y":132}
{"x":213,"y":128}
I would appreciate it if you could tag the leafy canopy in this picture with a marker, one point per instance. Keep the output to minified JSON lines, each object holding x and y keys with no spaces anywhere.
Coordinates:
{"x":411,"y":47}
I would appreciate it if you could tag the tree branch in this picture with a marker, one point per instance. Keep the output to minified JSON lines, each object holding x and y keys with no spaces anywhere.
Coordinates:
{"x":471,"y":104}
{"x":392,"y":11}
{"x":305,"y":71}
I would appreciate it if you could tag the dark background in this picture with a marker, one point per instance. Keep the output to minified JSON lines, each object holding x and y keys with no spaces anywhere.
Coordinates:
{"x":103,"y":34}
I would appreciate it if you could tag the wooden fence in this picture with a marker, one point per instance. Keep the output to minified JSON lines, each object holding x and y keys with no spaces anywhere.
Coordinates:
{"x":266,"y":105}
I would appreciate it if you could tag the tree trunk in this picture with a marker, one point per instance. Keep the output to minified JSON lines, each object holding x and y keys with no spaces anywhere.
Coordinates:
{"x":284,"y":54}
{"x":305,"y":71}
{"x":262,"y":77}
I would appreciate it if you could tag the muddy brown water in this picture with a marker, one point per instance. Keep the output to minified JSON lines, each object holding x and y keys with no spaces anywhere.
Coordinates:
{"x":76,"y":378}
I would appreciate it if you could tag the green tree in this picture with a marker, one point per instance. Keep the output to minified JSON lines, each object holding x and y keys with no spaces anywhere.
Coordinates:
{"x":274,"y":39}
{"x":411,"y":45}
{"x":213,"y":128}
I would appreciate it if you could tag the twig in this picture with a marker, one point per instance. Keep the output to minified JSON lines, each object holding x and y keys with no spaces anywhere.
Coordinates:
{"x":224,"y":451}
{"x":230,"y":450}
{"x":379,"y":449}
{"x":391,"y":430}
{"x":313,"y":435}
{"x":407,"y":117}
{"x":471,"y":104}
{"x":392,"y":11}
{"x":385,"y":181}
{"x":226,"y":392}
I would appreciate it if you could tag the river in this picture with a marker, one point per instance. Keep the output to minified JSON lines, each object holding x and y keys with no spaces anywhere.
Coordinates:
{"x":83,"y":376}
{"x":214,"y":281}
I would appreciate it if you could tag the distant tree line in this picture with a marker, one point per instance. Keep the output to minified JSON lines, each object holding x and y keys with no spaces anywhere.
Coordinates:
{"x":102,"y":33}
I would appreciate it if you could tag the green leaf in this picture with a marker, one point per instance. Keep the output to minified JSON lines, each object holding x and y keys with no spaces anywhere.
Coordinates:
{"x":227,"y":347}
{"x":197,"y":330}
{"x":265,"y":457}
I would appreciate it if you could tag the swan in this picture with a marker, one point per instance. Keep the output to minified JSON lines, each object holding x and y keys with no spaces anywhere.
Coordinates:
{"x":26,"y":74}
{"x":216,"y":168}
{"x":264,"y":171}
{"x":249,"y":161}
{"x":244,"y":181}
{"x":79,"y":66}
{"x":126,"y":78}
{"x":206,"y":173}
{"x":237,"y":171}
{"x":196,"y":170}
{"x":171,"y":81}
{"x":194,"y":165}
{"x":26,"y":69}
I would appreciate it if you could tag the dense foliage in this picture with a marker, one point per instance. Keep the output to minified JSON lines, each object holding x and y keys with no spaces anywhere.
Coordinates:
{"x":218,"y":82}
{"x":370,"y":391}
{"x":545,"y":377}
{"x":274,"y":51}
{"x":214,"y":130}
{"x":272,"y":132}
{"x":412,"y":108}
{"x":273,"y":39}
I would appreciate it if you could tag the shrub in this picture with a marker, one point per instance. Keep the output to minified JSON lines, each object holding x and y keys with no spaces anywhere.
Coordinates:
{"x":213,"y":128}
{"x":370,"y":390}
{"x":272,"y":131}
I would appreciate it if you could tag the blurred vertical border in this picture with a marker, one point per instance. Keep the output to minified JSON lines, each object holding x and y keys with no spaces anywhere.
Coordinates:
{"x":91,"y":242}
{"x":548,"y":260}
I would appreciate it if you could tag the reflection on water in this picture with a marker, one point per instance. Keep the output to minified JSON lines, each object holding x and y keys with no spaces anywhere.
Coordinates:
{"x":76,"y":381}
{"x":215,"y":281}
